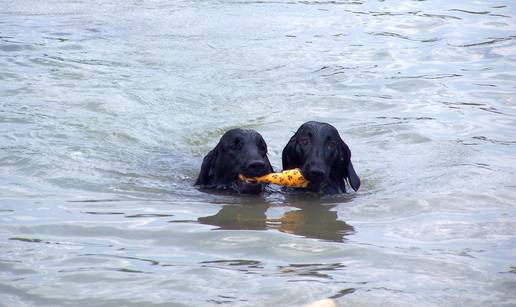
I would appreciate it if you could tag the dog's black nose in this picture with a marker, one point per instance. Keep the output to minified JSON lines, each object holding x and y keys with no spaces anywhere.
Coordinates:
{"x":316,"y":174}
{"x":256,"y":166}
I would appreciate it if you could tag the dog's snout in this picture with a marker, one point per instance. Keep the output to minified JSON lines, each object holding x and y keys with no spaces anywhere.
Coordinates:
{"x":256,"y":166}
{"x":316,"y":173}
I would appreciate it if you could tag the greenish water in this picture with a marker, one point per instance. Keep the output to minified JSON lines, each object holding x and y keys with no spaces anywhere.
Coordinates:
{"x":107,"y":108}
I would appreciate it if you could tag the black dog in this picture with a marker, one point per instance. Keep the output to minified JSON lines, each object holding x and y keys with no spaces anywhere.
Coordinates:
{"x":322,"y":156}
{"x":239,"y":152}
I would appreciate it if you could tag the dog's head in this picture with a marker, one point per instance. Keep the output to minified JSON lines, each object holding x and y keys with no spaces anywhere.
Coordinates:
{"x":239,"y":152}
{"x":322,"y":155}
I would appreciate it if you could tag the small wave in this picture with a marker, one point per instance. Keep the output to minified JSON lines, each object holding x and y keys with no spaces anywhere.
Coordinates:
{"x":152,"y":262}
{"x":470,"y":12}
{"x":500,"y":142}
{"x":392,"y":34}
{"x":490,"y":41}
{"x":431,"y":77}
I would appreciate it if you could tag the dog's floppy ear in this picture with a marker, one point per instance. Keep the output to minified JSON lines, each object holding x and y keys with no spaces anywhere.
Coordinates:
{"x":289,"y":157}
{"x":208,"y":167}
{"x":347,"y":167}
{"x":269,"y":164}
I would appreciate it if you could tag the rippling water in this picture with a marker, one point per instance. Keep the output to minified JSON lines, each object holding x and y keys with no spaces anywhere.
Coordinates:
{"x":107,"y":108}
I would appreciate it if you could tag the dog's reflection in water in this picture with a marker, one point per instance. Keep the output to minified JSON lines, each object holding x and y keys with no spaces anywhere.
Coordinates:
{"x":313,"y":220}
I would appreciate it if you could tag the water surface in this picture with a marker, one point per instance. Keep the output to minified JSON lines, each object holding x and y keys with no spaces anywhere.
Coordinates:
{"x":107,"y":108}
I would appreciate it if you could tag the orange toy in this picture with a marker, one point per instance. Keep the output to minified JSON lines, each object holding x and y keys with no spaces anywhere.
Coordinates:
{"x":289,"y":178}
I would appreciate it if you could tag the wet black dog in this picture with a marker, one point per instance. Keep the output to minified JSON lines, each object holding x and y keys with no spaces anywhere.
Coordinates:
{"x":239,"y":152}
{"x":323,"y":157}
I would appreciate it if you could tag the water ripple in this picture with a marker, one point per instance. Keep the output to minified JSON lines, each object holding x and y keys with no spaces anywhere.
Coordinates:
{"x":391,"y":34}
{"x":107,"y":111}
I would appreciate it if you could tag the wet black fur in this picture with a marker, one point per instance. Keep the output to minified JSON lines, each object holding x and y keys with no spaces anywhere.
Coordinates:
{"x":239,"y":151}
{"x":323,"y":157}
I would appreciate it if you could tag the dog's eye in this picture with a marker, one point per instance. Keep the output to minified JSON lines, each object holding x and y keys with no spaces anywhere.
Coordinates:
{"x":235,"y":145}
{"x":304,"y":141}
{"x":262,"y":147}
{"x":331,"y":145}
